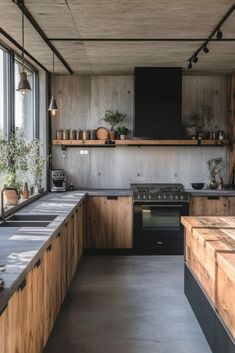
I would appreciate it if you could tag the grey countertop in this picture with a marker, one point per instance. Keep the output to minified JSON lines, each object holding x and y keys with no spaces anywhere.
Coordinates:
{"x":21,"y":247}
{"x":209,"y":192}
{"x":108,"y":192}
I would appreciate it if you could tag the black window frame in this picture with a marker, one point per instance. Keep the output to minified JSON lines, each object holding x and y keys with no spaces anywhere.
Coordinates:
{"x":9,"y":106}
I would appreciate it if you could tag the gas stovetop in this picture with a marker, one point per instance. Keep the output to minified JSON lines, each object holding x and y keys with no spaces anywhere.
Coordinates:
{"x":159,"y":192}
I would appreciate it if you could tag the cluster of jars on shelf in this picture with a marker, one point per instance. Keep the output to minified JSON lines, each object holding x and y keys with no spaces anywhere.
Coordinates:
{"x":76,"y":134}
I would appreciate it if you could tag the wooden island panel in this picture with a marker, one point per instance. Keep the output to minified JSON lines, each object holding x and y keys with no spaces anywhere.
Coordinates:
{"x":191,"y":222}
{"x":201,"y":248}
{"x":225,"y":290}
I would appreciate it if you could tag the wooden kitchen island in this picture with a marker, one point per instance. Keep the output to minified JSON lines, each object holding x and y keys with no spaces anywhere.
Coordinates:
{"x":210,"y":277}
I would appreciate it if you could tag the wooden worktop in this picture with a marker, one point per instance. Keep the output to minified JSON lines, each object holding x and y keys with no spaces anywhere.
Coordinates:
{"x":210,"y":255}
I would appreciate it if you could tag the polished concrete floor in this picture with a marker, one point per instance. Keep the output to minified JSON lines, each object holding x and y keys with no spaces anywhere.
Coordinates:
{"x":127,"y":304}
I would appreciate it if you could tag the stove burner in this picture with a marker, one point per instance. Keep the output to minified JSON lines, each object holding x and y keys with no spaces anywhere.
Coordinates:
{"x":159,"y":192}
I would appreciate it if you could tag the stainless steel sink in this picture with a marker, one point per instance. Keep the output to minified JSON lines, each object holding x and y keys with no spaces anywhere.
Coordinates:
{"x":23,"y":224}
{"x":32,"y":217}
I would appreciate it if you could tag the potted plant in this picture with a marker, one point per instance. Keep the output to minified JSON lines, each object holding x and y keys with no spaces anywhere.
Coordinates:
{"x":215,"y":166}
{"x":18,"y":159}
{"x":122,"y":131}
{"x":113,"y":117}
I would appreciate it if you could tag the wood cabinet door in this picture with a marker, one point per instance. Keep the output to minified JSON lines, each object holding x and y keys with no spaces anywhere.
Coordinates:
{"x":204,"y":206}
{"x":4,"y":331}
{"x":13,"y":336}
{"x":122,"y":219}
{"x":200,"y":206}
{"x":64,"y":261}
{"x":26,"y":313}
{"x":48,"y":292}
{"x":38,"y":314}
{"x":101,"y":223}
{"x":80,"y":230}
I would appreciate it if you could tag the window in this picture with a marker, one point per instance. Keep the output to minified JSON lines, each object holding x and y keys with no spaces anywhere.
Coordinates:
{"x":4,"y":91}
{"x":25,"y":104}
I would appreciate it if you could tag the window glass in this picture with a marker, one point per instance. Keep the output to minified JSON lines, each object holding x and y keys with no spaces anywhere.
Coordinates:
{"x":3,"y":92}
{"x":24,"y":104}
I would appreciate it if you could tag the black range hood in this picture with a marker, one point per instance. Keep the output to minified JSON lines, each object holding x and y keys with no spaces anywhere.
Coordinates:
{"x":158,"y":103}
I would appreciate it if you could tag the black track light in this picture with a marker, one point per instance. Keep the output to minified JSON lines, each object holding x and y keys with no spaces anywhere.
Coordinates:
{"x":219,"y":34}
{"x":195,"y":59}
{"x":205,"y":49}
{"x":190,"y":65}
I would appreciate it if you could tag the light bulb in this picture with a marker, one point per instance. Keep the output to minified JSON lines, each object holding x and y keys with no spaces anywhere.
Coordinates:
{"x":53,"y":112}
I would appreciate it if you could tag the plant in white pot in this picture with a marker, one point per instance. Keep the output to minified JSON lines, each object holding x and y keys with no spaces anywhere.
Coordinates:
{"x":122,"y":131}
{"x":113,"y":118}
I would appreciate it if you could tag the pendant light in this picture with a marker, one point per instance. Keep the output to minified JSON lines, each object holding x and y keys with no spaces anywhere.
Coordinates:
{"x":24,"y":85}
{"x":53,"y":106}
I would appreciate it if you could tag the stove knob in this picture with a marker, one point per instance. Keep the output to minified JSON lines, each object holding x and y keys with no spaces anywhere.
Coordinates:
{"x":144,"y":197}
{"x":176,"y":197}
{"x":164,"y":197}
{"x":150,"y":197}
{"x":138,"y":197}
{"x":171,"y":197}
{"x":159,"y":197}
{"x":181,"y":197}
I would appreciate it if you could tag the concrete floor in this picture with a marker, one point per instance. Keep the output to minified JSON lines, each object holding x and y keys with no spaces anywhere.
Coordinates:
{"x":127,"y":304}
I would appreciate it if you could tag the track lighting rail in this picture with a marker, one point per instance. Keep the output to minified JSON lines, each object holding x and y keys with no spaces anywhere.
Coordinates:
{"x":26,"y":12}
{"x":217,"y":29}
{"x":138,"y":40}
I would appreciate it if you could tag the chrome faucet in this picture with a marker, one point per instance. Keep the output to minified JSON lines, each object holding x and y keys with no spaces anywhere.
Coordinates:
{"x":2,"y":202}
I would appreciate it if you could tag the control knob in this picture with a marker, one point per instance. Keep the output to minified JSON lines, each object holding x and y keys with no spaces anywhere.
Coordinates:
{"x":159,"y":197}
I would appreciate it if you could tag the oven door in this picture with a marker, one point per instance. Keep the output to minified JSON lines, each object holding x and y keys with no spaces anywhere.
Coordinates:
{"x":157,"y":228}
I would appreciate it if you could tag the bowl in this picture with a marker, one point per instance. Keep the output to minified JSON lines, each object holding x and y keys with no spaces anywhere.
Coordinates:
{"x":197,"y":186}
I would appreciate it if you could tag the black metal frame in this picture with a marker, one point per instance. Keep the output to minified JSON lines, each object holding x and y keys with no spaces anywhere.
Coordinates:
{"x":138,"y":39}
{"x":31,"y":19}
{"x":209,"y":38}
{"x":17,"y":45}
{"x":216,"y":333}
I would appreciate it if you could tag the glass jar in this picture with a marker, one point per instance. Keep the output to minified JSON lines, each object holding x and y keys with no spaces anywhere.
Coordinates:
{"x":65,"y":134}
{"x":86,"y":135}
{"x":59,"y":135}
{"x":72,"y":134}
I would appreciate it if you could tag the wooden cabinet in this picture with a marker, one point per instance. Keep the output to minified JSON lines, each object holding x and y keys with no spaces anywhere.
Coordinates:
{"x":27,"y":321}
{"x":109,"y":222}
{"x":212,"y":206}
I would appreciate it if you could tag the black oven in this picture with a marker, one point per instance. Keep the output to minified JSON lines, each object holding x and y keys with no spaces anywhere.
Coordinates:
{"x":157,"y":228}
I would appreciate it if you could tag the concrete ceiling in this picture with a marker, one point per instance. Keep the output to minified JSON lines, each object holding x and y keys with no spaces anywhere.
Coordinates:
{"x":124,"y":19}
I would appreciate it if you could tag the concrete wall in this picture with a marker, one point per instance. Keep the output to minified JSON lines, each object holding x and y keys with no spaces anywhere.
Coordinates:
{"x":82,"y":102}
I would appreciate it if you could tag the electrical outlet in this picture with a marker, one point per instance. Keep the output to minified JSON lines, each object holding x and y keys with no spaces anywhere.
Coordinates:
{"x":83,"y":151}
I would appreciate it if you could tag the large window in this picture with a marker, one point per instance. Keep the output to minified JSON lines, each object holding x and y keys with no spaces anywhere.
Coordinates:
{"x":4,"y":91}
{"x":24,"y":116}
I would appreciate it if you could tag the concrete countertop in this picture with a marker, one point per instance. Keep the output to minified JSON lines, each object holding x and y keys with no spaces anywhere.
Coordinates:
{"x":209,"y":192}
{"x":108,"y":192}
{"x":21,"y":247}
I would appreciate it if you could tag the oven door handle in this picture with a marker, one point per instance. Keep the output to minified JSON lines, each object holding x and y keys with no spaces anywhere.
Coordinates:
{"x":160,"y":206}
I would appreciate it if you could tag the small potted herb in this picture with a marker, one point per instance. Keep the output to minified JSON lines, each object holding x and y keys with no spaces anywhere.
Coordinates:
{"x":122,"y":131}
{"x":113,"y":118}
{"x":215,"y":166}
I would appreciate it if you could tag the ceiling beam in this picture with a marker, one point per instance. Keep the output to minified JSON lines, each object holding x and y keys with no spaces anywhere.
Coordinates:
{"x":17,"y":45}
{"x":138,"y":39}
{"x":28,"y":15}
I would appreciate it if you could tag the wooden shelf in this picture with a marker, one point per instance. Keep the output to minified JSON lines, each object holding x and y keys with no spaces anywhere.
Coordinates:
{"x":103,"y":143}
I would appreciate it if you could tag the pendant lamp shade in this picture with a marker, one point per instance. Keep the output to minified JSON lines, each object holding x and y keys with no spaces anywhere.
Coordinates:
{"x":53,"y":106}
{"x":24,"y":85}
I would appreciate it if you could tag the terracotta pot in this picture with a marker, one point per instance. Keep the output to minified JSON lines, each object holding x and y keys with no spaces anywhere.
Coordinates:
{"x":10,"y":198}
{"x":25,"y":194}
{"x":122,"y":137}
{"x":112,"y":134}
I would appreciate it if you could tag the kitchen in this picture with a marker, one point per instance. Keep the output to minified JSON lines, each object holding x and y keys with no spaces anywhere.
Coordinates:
{"x":99,"y":252}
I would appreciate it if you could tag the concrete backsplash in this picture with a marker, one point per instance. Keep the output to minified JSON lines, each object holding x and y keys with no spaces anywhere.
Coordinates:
{"x":82,"y":102}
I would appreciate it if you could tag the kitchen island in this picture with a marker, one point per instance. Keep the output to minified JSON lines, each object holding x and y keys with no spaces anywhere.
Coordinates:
{"x":210,"y":277}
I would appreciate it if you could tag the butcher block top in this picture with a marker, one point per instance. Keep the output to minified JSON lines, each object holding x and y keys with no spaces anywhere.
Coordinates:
{"x":209,"y":222}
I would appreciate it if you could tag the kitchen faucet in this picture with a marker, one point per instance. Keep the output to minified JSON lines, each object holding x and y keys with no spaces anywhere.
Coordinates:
{"x":2,"y":202}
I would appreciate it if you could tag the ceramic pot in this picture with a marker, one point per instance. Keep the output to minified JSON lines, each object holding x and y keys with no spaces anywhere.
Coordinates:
{"x":122,"y":137}
{"x":112,"y":134}
{"x":213,"y":184}
{"x":10,"y":198}
{"x":25,"y":194}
